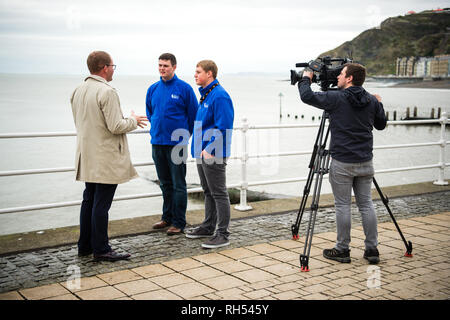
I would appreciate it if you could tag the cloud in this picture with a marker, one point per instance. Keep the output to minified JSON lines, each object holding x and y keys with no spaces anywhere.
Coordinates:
{"x":56,"y":36}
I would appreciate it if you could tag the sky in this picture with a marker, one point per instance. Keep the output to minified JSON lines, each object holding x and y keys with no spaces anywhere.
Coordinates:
{"x":55,"y":37}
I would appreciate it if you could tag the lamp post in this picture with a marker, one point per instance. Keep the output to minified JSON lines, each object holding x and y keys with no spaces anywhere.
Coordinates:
{"x":280,"y":95}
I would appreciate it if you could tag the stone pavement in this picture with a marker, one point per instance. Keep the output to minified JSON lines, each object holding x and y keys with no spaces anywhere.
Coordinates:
{"x":261,"y":263}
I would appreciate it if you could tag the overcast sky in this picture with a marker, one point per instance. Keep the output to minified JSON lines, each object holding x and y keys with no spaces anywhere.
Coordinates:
{"x":43,"y":36}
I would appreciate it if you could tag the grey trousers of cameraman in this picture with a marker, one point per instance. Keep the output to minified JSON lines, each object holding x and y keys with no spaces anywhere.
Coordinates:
{"x":343,"y":178}
{"x":212,"y":173}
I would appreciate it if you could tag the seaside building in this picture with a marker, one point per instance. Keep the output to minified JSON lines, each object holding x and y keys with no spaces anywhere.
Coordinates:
{"x":410,"y":66}
{"x":406,"y":66}
{"x":422,"y":68}
{"x":438,"y":66}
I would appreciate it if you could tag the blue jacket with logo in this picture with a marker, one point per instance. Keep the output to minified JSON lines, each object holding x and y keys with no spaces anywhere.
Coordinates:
{"x":353,"y":113}
{"x":214,"y":123}
{"x":171,"y":105}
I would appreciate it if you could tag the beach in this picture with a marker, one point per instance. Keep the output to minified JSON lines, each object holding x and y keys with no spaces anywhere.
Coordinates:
{"x":439,"y":84}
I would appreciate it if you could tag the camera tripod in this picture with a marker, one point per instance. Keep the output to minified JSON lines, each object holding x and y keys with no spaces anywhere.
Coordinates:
{"x":318,"y":167}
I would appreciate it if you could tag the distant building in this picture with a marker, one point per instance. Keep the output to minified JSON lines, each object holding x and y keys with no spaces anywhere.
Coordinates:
{"x":410,"y":66}
{"x":438,"y":66}
{"x":406,"y":66}
{"x":401,"y":66}
{"x":423,"y":67}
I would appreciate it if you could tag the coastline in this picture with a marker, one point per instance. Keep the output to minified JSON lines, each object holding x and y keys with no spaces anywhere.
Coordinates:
{"x":439,"y":84}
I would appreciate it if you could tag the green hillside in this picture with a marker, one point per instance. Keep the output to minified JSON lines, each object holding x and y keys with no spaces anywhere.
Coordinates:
{"x":421,"y":34}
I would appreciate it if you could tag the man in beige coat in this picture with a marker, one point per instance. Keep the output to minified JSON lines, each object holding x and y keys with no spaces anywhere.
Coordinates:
{"x":102,"y":158}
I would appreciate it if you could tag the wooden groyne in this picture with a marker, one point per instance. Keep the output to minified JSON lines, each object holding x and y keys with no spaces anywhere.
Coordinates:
{"x":414,"y":115}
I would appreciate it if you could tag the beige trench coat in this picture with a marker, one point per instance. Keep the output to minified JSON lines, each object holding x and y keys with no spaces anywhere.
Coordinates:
{"x":102,"y":154}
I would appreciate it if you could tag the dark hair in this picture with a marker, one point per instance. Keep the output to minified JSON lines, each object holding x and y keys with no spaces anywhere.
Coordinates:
{"x":357,"y":71}
{"x":97,"y":60}
{"x":169,"y":56}
{"x":209,"y":65}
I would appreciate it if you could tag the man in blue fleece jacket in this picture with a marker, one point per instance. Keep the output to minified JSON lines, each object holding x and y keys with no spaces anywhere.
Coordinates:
{"x":171,"y":108}
{"x":353,"y":113}
{"x":211,"y":146}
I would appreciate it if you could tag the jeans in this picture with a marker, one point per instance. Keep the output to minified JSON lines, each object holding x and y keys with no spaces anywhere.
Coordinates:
{"x":217,"y":201}
{"x":343,"y":178}
{"x":172,"y":180}
{"x":97,"y":199}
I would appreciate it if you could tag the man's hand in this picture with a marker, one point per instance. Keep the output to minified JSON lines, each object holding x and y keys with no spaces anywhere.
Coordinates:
{"x":206,"y":155}
{"x":308,"y":74}
{"x":377,"y":96}
{"x":140,"y":119}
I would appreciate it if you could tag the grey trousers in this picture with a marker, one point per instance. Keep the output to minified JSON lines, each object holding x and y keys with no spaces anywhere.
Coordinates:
{"x":343,"y":178}
{"x":217,"y":201}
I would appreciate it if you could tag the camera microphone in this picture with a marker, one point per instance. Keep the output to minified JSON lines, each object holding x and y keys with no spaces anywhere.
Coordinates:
{"x":301,"y":65}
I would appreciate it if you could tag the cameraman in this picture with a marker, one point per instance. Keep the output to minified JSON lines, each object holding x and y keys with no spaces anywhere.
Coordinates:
{"x":353,"y":113}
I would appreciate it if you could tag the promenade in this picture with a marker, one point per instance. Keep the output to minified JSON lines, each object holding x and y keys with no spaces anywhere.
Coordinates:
{"x":262,"y":262}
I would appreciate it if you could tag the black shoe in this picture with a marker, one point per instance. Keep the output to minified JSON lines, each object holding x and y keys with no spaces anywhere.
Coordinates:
{"x":335,"y":254}
{"x":372,"y":255}
{"x":216,"y":241}
{"x":198,"y":233}
{"x":111,"y":256}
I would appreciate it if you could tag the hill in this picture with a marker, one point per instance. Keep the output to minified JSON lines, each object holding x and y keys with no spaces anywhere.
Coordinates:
{"x":421,"y":34}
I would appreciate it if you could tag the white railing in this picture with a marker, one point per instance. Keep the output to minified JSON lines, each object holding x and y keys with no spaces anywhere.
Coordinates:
{"x":244,"y":157}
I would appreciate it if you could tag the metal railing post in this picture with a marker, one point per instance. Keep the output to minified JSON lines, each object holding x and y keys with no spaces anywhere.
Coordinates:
{"x":441,"y":181}
{"x":243,"y":206}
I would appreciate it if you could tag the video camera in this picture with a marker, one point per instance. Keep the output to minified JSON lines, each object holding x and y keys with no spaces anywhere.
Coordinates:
{"x":325,"y":69}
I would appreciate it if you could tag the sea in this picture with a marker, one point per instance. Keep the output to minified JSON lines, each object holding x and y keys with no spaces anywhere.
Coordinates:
{"x":41,"y":103}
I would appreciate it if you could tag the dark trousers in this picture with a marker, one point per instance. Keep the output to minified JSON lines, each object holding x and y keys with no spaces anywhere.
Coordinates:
{"x":170,"y":163}
{"x":97,"y":199}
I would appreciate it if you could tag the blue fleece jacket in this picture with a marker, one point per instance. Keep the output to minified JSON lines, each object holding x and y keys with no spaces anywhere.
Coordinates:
{"x":171,"y":105}
{"x":353,"y":113}
{"x":214,"y":123}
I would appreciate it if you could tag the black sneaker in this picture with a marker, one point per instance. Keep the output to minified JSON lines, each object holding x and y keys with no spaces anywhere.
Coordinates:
{"x":216,"y":242}
{"x":198,"y":233}
{"x":372,"y":255}
{"x":335,"y":254}
{"x":111,"y":256}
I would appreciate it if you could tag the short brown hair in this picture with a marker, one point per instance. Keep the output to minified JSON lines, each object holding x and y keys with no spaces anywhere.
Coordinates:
{"x":209,"y":65}
{"x":97,"y":60}
{"x":169,"y":56}
{"x":357,"y":71}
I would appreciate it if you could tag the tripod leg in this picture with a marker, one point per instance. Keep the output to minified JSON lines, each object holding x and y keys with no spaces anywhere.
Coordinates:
{"x":323,"y":165}
{"x":304,"y":258}
{"x":295,"y":227}
{"x":385,"y":200}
